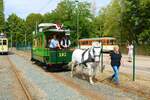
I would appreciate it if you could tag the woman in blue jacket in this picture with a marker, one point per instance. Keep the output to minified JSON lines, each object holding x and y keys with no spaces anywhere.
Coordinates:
{"x":115,"y":56}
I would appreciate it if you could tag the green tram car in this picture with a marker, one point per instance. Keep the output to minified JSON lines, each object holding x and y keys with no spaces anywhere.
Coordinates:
{"x":40,"y":46}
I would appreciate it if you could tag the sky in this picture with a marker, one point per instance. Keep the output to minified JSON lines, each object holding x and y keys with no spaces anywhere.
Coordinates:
{"x":24,"y":7}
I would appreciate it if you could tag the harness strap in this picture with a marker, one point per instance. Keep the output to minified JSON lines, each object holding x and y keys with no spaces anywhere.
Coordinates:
{"x":90,"y":59}
{"x":84,"y":54}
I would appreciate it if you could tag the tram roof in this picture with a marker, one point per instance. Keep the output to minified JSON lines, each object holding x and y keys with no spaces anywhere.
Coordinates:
{"x":98,"y":38}
{"x":50,"y":31}
{"x":47,"y":25}
{"x":57,"y":30}
{"x":2,"y":35}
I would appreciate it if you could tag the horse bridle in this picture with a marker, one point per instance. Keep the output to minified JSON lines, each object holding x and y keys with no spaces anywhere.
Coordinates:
{"x":94,"y":52}
{"x":90,"y":59}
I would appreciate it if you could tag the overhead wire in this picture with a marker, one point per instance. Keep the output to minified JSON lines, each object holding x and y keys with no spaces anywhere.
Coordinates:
{"x":47,"y":4}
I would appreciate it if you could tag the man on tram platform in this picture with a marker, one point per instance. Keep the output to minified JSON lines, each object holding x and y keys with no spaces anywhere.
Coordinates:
{"x":65,"y":42}
{"x":54,"y":43}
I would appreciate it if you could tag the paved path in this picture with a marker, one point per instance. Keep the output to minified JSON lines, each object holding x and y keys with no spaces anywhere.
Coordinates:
{"x":51,"y":88}
{"x":10,"y":88}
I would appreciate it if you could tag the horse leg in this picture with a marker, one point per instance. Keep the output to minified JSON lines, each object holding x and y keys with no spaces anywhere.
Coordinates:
{"x":82,"y":70}
{"x":72,"y":68}
{"x":95,"y":70}
{"x":90,"y":70}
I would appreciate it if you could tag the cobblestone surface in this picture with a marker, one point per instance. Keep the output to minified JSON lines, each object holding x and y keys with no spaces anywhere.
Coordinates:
{"x":10,"y":89}
{"x":50,"y":87}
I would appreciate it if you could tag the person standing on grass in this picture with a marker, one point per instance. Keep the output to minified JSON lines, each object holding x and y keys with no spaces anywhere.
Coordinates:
{"x":115,"y":57}
{"x":130,"y":52}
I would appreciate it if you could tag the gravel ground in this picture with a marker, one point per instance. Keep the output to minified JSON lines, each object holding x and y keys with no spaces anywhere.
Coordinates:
{"x":10,"y":88}
{"x":108,"y":91}
{"x":48,"y":87}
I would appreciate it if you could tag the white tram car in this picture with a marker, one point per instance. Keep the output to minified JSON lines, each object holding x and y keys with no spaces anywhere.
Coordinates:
{"x":3,"y":44}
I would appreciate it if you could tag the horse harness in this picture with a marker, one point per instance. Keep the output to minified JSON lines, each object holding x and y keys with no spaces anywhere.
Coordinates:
{"x":90,"y":59}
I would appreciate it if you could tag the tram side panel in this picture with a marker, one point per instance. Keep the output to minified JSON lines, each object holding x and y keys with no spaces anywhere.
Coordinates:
{"x":48,"y":56}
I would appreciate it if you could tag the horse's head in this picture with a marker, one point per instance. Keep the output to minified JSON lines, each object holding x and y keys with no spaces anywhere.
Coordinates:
{"x":96,"y":51}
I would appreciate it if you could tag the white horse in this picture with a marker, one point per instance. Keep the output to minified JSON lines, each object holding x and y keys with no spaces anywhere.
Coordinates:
{"x":88,"y":58}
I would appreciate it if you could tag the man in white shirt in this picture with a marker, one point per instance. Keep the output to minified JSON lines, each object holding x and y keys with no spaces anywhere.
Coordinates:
{"x":65,"y":42}
{"x":130,"y":52}
{"x":54,"y":43}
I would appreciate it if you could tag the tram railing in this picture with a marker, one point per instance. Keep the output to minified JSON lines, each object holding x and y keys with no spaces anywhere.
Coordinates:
{"x":23,"y":47}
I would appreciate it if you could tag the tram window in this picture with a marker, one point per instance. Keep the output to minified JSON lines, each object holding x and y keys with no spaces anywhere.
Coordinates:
{"x":40,"y":42}
{"x":35,"y":43}
{"x":90,"y":43}
{"x":4,"y":42}
{"x":104,"y":42}
{"x":111,"y":42}
{"x":0,"y":42}
{"x":84,"y":43}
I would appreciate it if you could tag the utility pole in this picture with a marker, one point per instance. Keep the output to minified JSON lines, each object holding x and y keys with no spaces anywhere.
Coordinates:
{"x":11,"y":42}
{"x":77,"y":4}
{"x":122,"y":5}
{"x":25,"y":40}
{"x":133,"y":60}
{"x":93,"y":7}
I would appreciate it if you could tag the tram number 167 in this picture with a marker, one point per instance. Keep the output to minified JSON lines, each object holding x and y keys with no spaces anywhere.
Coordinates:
{"x":62,"y":54}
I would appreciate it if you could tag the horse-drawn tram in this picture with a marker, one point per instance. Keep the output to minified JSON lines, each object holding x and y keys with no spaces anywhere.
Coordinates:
{"x":3,"y":44}
{"x":48,"y":47}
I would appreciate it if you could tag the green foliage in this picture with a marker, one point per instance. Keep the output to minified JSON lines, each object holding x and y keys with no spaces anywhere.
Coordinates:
{"x":2,"y":20}
{"x":32,"y":20}
{"x":66,"y":13}
{"x":123,"y":19}
{"x":16,"y":28}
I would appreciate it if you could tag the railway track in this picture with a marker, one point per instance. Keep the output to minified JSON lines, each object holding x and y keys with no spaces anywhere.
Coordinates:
{"x":19,"y":78}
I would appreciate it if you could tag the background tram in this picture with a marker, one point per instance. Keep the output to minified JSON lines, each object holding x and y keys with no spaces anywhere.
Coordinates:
{"x":3,"y":44}
{"x":40,"y":47}
{"x":107,"y":42}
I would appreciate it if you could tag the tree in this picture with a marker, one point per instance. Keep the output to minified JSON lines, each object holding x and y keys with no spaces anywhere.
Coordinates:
{"x":66,"y":13}
{"x":32,"y":20}
{"x":125,"y":20}
{"x":15,"y":26}
{"x":2,"y":20}
{"x":144,"y":36}
{"x":108,"y":22}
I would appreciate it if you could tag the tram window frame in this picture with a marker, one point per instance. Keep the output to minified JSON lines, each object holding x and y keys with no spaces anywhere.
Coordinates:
{"x":4,"y":42}
{"x":39,"y":42}
{"x":111,"y":42}
{"x":90,"y":42}
{"x":0,"y":42}
{"x":84,"y":42}
{"x":35,"y":43}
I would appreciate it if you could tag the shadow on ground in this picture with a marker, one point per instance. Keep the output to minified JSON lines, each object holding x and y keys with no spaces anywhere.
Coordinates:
{"x":52,"y":68}
{"x":5,"y":54}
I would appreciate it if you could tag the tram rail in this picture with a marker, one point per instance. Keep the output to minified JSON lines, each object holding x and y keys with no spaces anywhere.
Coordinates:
{"x":24,"y":88}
